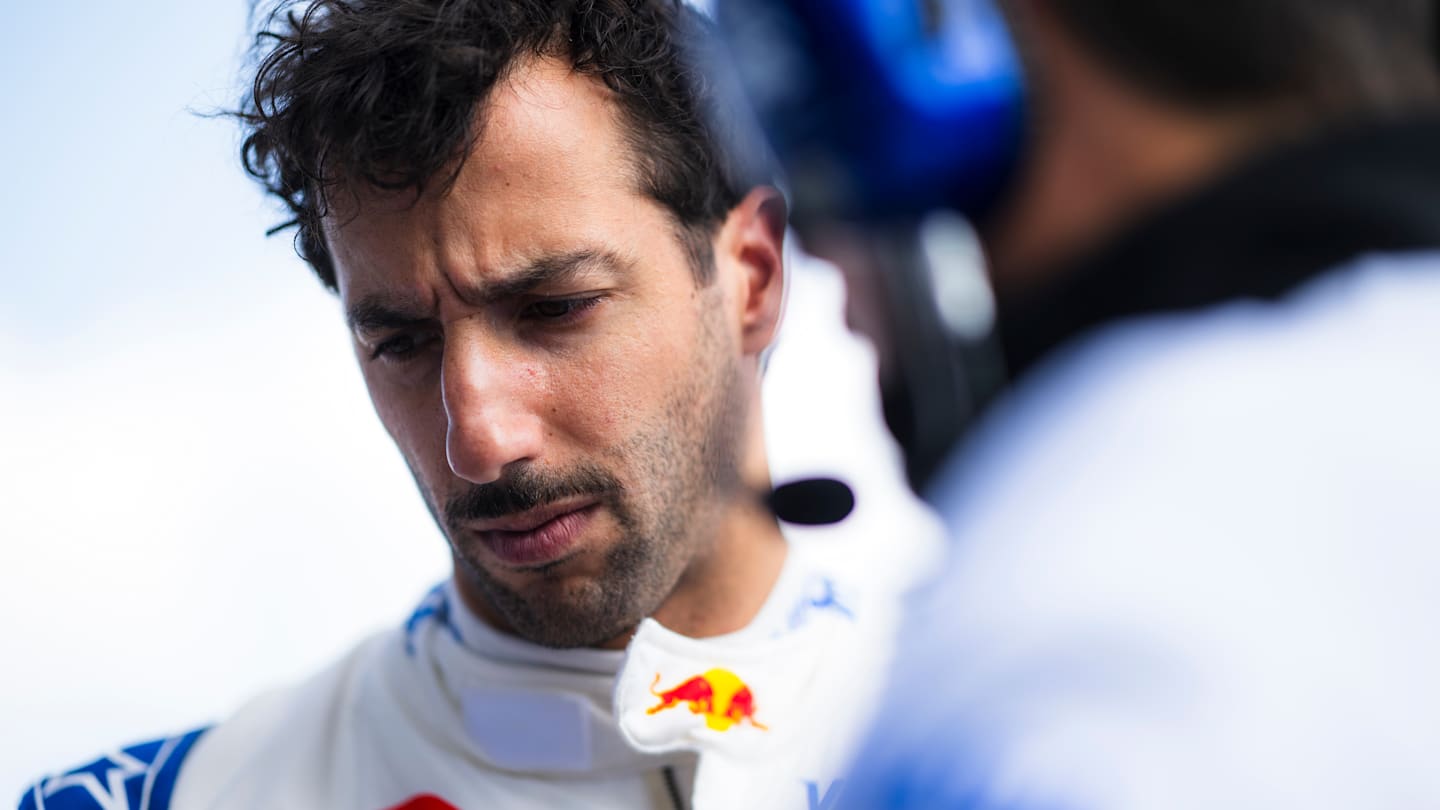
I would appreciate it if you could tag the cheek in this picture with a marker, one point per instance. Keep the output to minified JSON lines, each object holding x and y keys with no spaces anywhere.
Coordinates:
{"x":624,"y":385}
{"x":599,"y":401}
{"x":415,"y":419}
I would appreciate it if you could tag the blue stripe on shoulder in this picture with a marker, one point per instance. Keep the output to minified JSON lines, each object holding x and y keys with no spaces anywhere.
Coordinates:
{"x":435,"y":606}
{"x":140,"y":777}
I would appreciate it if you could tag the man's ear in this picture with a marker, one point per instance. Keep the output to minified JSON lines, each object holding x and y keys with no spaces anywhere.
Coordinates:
{"x":753,"y":242}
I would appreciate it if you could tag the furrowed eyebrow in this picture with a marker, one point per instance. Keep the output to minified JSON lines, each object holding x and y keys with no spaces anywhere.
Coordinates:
{"x":554,"y":269}
{"x":375,"y":315}
{"x":379,"y":313}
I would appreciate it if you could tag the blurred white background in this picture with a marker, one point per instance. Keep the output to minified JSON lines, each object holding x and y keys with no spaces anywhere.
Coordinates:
{"x":196,"y":500}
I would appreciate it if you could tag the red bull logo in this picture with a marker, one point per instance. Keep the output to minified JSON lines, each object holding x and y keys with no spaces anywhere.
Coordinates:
{"x":719,"y":695}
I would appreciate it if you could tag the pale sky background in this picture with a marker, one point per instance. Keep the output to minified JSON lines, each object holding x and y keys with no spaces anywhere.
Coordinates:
{"x":196,"y":500}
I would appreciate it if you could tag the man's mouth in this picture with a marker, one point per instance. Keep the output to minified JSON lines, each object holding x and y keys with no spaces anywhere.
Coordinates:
{"x":539,"y":536}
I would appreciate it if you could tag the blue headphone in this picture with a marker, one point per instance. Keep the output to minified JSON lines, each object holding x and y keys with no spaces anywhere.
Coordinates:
{"x":882,"y":112}
{"x":882,"y":109}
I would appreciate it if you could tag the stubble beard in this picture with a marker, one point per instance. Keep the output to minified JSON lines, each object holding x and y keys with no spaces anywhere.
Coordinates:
{"x":687,"y":471}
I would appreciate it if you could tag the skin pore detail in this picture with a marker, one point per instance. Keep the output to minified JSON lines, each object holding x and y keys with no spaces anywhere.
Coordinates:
{"x":579,"y":410}
{"x":691,"y":456}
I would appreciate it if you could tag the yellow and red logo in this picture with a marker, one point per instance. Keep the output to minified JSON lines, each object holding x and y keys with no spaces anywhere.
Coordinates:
{"x":719,"y":695}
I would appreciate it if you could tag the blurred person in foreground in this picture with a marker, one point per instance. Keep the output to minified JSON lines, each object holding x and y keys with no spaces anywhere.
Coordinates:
{"x":560,"y":284}
{"x":1196,"y":539}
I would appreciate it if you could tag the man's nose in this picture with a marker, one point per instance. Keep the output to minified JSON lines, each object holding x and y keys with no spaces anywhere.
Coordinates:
{"x":491,"y":423}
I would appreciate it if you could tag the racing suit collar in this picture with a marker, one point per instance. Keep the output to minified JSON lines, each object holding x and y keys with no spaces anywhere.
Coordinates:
{"x":1260,"y":231}
{"x":485,"y":640}
{"x":524,"y":708}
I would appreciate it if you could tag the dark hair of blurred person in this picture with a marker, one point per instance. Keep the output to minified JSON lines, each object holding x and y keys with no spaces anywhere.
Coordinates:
{"x":1317,"y":57}
{"x":1135,"y":103}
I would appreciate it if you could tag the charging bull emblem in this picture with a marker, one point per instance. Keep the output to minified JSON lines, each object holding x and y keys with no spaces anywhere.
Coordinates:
{"x":719,"y":695}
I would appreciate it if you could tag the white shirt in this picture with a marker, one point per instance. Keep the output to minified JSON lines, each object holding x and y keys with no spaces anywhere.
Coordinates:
{"x":449,"y":708}
{"x":1196,"y":565}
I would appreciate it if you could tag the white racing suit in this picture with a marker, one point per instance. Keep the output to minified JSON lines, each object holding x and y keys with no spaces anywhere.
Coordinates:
{"x":445,"y":712}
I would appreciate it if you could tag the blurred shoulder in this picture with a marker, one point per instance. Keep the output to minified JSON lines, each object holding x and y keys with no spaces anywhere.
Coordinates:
{"x":1180,"y":521}
{"x":1176,"y":408}
{"x":187,"y":770}
{"x":139,"y":776}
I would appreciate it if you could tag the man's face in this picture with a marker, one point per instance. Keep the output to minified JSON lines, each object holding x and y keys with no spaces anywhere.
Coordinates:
{"x":566,"y":394}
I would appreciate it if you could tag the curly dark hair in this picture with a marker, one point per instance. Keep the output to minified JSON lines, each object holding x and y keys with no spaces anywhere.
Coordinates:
{"x":388,"y":93}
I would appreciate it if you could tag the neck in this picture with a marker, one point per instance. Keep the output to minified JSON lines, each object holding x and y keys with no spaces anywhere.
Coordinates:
{"x":725,"y":590}
{"x":1367,"y":186}
{"x":1086,"y":182}
{"x":724,"y":587}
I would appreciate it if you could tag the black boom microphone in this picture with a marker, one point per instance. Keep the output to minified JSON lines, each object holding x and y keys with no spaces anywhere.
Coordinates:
{"x":812,"y":501}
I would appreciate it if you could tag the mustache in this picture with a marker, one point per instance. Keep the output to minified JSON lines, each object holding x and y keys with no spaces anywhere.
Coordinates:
{"x":526,"y":489}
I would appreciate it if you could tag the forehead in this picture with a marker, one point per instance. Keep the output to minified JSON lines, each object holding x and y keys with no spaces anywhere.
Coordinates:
{"x":551,"y":173}
{"x":543,"y":117}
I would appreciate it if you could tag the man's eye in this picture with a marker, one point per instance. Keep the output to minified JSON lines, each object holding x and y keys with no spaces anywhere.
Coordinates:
{"x":399,"y":348}
{"x":560,"y":309}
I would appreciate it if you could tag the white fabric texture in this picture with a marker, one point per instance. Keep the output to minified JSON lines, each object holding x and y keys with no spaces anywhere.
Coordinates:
{"x":1195,"y":567}
{"x":454,"y":710}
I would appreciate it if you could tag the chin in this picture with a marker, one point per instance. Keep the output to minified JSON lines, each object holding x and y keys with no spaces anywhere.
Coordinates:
{"x":557,"y":608}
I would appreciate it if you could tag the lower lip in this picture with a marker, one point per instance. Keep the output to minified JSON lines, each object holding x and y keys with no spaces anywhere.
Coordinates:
{"x":543,"y":544}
